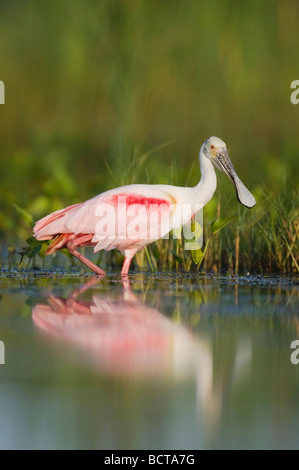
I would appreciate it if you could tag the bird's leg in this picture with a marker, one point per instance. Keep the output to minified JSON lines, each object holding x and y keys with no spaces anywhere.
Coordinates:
{"x":126,"y":266}
{"x":126,"y":282}
{"x":71,"y":246}
{"x":129,"y":296}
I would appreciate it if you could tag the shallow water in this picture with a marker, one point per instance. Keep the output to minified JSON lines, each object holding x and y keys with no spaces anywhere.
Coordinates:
{"x":162,"y":362}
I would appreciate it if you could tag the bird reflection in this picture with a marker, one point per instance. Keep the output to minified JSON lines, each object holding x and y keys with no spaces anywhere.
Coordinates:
{"x":122,"y":335}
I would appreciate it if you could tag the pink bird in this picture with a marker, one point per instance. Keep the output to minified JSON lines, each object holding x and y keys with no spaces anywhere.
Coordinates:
{"x":130,"y":217}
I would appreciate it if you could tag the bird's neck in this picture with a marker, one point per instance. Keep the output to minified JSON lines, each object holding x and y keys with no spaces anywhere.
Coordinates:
{"x":206,"y":187}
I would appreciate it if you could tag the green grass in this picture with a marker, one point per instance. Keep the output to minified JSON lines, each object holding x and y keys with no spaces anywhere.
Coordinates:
{"x":236,"y":239}
{"x":126,"y":92}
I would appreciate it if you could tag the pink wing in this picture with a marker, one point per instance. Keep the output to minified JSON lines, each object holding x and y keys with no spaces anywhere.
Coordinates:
{"x":116,"y":219}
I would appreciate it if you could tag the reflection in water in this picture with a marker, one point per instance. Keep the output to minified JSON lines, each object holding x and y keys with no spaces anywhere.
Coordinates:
{"x":124,"y":336}
{"x":183,"y":362}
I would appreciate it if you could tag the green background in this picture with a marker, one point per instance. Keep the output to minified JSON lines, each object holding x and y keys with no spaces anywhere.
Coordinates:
{"x":93,"y":86}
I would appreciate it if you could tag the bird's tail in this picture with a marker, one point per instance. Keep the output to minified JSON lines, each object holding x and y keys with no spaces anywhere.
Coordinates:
{"x":44,"y":230}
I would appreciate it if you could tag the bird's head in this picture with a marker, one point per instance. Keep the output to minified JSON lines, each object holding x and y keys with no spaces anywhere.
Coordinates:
{"x":215,"y":150}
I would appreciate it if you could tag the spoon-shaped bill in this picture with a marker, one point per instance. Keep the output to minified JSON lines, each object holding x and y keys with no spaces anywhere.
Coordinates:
{"x":224,"y":164}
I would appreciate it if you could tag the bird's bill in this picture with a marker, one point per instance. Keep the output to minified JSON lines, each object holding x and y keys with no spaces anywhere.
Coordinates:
{"x":223,"y":163}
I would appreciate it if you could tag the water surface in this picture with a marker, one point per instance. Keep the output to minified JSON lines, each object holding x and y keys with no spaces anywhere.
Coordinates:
{"x":160,"y":362}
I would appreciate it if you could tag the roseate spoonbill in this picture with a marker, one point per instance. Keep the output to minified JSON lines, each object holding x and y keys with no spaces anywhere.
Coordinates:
{"x":109,"y":220}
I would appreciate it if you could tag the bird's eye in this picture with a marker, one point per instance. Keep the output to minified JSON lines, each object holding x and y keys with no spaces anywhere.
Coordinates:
{"x":212,"y":147}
